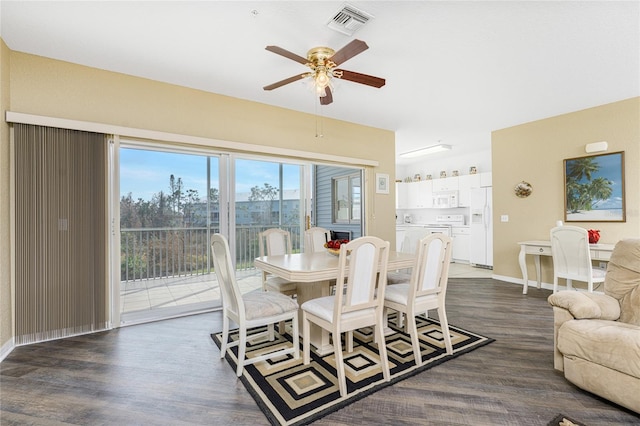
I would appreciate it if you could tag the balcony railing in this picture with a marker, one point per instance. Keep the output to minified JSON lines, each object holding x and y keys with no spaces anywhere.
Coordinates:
{"x":151,"y":253}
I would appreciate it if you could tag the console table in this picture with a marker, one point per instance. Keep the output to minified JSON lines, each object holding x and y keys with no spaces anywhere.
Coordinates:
{"x":536,"y":249}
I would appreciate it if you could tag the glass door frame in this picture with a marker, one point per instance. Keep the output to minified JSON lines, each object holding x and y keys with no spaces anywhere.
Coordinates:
{"x":226,"y":201}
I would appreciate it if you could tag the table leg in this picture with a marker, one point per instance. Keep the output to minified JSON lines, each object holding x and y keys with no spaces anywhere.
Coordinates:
{"x":536,"y":261}
{"x":319,"y":336}
{"x":523,"y":268}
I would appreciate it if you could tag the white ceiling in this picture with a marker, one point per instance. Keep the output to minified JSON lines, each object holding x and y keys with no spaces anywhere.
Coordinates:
{"x":455,"y":71}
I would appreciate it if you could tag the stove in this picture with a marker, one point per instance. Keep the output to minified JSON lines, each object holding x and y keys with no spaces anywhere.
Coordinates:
{"x":444,"y":223}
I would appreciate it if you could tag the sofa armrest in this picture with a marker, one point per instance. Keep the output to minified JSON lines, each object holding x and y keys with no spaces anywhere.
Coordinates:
{"x":586,"y":305}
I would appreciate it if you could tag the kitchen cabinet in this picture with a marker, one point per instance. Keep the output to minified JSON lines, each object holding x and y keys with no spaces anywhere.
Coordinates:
{"x":461,"y":237}
{"x":485,"y":179}
{"x":445,"y":184}
{"x":402,"y":195}
{"x":465,"y":183}
{"x":414,"y":195}
{"x":420,"y":196}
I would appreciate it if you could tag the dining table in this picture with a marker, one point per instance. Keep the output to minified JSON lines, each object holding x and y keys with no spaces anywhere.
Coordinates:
{"x":314,"y":273}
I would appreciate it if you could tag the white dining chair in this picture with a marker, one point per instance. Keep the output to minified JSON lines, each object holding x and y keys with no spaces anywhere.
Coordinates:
{"x":360,"y":305}
{"x":276,"y":242}
{"x":315,"y":238}
{"x":409,"y":244}
{"x":425,"y":290}
{"x":572,"y":257}
{"x":251,"y":310}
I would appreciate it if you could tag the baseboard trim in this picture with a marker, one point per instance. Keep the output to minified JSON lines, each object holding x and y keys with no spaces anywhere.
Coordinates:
{"x":532,"y":284}
{"x":7,"y":348}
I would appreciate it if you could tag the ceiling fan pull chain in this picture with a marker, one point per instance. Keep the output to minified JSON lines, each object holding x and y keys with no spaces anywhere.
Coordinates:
{"x":319,"y":127}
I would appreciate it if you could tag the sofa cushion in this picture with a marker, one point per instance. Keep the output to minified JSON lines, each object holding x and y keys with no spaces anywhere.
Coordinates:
{"x":623,"y":279}
{"x":611,"y":344}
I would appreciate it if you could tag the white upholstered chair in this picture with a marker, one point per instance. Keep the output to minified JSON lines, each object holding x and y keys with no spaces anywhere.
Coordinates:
{"x":254,"y":309}
{"x":425,"y":290}
{"x":315,"y":238}
{"x":275,"y":242}
{"x":572,"y":257}
{"x":360,"y":305}
{"x":411,"y":238}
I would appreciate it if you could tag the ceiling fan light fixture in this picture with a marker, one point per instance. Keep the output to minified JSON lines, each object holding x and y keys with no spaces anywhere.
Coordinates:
{"x":322,"y":78}
{"x":426,"y":151}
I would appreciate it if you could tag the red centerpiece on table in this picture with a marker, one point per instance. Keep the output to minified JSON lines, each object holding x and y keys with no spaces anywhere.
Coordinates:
{"x":333,"y":246}
{"x":594,"y":236}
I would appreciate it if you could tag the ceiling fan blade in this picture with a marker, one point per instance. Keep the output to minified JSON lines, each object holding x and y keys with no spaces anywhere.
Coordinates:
{"x":328,"y":98}
{"x":285,"y":81}
{"x":356,"y":77}
{"x":349,"y":51}
{"x":287,"y":54}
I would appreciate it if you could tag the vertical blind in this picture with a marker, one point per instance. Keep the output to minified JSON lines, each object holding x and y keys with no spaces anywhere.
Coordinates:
{"x":61,"y":232}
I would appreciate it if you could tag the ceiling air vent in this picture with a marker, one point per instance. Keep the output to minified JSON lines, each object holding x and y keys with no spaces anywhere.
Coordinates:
{"x":349,"y":19}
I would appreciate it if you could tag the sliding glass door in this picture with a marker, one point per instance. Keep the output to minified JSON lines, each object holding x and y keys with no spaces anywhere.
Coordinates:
{"x":172,"y":201}
{"x":169,"y":206}
{"x":268,"y":194}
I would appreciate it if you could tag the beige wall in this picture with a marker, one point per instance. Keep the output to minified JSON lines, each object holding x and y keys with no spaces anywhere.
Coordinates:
{"x":47,"y":87}
{"x":534,"y":152}
{"x":6,"y":312}
{"x":53,"y":88}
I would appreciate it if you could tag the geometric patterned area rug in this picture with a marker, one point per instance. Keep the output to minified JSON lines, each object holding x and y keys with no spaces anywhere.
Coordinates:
{"x":291,"y":393}
{"x":562,"y":420}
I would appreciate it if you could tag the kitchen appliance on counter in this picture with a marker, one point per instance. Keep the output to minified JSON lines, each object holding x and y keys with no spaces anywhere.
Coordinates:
{"x":407,"y":218}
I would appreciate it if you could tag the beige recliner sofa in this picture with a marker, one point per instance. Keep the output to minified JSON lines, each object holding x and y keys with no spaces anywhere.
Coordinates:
{"x":597,"y":336}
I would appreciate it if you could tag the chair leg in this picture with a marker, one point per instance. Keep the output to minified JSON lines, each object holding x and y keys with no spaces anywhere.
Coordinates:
{"x":225,"y":334}
{"x":569,"y":284}
{"x":382,"y":349}
{"x":415,"y":340}
{"x":271,"y":332}
{"x":282,"y":328}
{"x":306,"y":335}
{"x":555,"y":285}
{"x":349,"y":341}
{"x":337,"y":351}
{"x":444,"y":325}
{"x":242,"y":347}
{"x":296,"y":336}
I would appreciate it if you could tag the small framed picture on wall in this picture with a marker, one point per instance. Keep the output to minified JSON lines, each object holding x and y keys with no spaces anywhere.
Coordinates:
{"x":382,"y":183}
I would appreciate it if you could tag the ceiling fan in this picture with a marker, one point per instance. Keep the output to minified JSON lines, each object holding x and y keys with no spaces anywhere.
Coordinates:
{"x":323,"y":62}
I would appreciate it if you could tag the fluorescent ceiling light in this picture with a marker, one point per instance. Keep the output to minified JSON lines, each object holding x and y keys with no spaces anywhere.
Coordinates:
{"x":426,"y":151}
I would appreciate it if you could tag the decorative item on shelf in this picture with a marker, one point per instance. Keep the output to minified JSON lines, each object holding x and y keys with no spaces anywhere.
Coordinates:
{"x":594,"y":236}
{"x":523,"y":189}
{"x":417,"y":177}
{"x":473,"y":170}
{"x":427,"y":177}
{"x":443,"y":174}
{"x":407,"y":180}
{"x":455,"y":173}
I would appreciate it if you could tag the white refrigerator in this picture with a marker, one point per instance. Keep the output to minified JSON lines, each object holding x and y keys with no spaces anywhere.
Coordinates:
{"x":481,"y":248}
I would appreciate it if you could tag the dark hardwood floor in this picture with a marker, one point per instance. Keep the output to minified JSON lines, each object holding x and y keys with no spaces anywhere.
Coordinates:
{"x":169,"y":373}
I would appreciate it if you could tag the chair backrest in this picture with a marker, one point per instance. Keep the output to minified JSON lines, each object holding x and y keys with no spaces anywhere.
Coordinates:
{"x":314,"y":239}
{"x":230,"y":292}
{"x":274,"y":242}
{"x":431,"y":271}
{"x":412,"y":237}
{"x":368,"y":258}
{"x":570,"y":252}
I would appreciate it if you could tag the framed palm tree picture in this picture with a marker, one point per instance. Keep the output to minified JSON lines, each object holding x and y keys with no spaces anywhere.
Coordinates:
{"x":594,"y":188}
